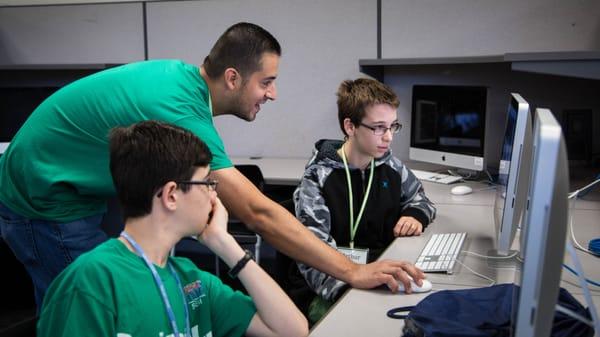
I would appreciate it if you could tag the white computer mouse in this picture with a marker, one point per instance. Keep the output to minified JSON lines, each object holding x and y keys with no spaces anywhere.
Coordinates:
{"x":426,"y":287}
{"x":461,"y":190}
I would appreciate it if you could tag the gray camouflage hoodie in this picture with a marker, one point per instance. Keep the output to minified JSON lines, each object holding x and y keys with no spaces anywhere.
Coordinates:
{"x":321,"y":202}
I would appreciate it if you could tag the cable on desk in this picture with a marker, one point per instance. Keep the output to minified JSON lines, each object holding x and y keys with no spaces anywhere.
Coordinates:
{"x":584,"y":189}
{"x":493,"y":187}
{"x":594,"y":283}
{"x":490,"y":179}
{"x":456,"y":174}
{"x":577,"y":244}
{"x":476,"y":273}
{"x":594,"y":244}
{"x":470,"y":176}
{"x":583,"y":284}
{"x":492,"y":257}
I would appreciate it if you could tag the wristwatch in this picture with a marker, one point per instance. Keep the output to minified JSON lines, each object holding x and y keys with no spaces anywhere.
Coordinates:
{"x":233,"y":272}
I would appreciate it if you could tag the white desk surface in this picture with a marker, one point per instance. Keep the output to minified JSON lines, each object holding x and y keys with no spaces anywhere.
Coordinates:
{"x":363,"y":312}
{"x":483,"y":194}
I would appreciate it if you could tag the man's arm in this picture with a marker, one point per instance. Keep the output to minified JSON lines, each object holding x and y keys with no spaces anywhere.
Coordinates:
{"x":282,"y":230}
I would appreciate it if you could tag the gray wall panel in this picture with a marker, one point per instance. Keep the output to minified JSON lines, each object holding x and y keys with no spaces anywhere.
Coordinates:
{"x":435,"y":28}
{"x":111,"y":33}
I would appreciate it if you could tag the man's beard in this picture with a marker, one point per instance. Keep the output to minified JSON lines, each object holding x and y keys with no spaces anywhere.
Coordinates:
{"x":236,"y":108}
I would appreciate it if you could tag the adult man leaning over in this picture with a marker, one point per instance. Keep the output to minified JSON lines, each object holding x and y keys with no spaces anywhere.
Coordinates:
{"x":55,"y":179}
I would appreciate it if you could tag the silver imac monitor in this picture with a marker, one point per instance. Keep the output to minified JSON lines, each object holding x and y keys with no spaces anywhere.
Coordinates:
{"x":448,"y":125}
{"x":513,"y":173}
{"x":545,"y":226}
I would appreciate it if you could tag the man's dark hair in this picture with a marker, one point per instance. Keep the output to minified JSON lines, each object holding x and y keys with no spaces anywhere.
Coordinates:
{"x":241,"y":47}
{"x":146,"y":155}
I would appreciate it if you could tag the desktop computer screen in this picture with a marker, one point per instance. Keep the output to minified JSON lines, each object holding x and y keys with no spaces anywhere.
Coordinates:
{"x":513,"y":175}
{"x":448,"y":125}
{"x":545,"y":228}
{"x":16,"y":104}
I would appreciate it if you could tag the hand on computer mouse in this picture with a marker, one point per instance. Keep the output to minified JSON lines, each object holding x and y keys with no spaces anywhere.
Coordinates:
{"x":425,"y":287}
{"x":407,"y":226}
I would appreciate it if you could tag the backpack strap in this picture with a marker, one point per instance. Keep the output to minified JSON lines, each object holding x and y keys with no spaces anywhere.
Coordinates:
{"x":397,"y":313}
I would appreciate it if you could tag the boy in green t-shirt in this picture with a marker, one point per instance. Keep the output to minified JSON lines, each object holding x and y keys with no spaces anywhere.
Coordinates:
{"x":130,"y":286}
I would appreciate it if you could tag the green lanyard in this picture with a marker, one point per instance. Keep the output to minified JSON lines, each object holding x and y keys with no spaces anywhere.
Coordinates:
{"x":354,"y":225}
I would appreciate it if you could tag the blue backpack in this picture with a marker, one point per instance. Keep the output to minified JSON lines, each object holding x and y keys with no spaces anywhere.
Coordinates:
{"x":481,"y":312}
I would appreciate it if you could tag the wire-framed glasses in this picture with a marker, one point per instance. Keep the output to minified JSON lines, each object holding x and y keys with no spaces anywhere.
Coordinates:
{"x":380,"y":130}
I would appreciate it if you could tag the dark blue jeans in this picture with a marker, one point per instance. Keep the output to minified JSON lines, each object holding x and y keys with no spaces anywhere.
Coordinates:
{"x":45,"y":247}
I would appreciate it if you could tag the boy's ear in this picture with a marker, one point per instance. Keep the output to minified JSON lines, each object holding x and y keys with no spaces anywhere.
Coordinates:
{"x":349,"y":127}
{"x":232,"y":78}
{"x":169,"y":196}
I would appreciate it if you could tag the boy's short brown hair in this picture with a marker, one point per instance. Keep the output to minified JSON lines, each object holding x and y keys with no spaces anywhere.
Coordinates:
{"x":354,"y":96}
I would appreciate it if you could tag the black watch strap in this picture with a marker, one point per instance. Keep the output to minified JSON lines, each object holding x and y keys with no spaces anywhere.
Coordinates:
{"x":233,"y":272}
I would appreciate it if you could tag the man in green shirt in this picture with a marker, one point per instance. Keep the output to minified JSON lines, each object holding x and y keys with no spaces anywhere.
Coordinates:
{"x":54,"y":178}
{"x":130,"y":286}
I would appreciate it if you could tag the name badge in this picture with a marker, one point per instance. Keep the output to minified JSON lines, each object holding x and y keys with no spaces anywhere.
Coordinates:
{"x":357,"y":255}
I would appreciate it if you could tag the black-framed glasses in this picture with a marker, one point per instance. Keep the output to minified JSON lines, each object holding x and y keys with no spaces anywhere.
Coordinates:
{"x":380,"y":130}
{"x":212,"y":184}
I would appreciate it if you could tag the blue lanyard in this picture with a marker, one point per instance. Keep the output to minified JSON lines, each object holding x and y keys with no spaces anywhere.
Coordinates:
{"x":161,"y":287}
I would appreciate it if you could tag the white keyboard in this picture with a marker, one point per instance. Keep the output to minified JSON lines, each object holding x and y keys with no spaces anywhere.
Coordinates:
{"x":434,"y":177}
{"x":440,"y":253}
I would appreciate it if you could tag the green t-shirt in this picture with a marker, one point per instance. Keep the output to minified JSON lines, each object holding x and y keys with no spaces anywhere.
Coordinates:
{"x":110,"y":291}
{"x":56,"y":167}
